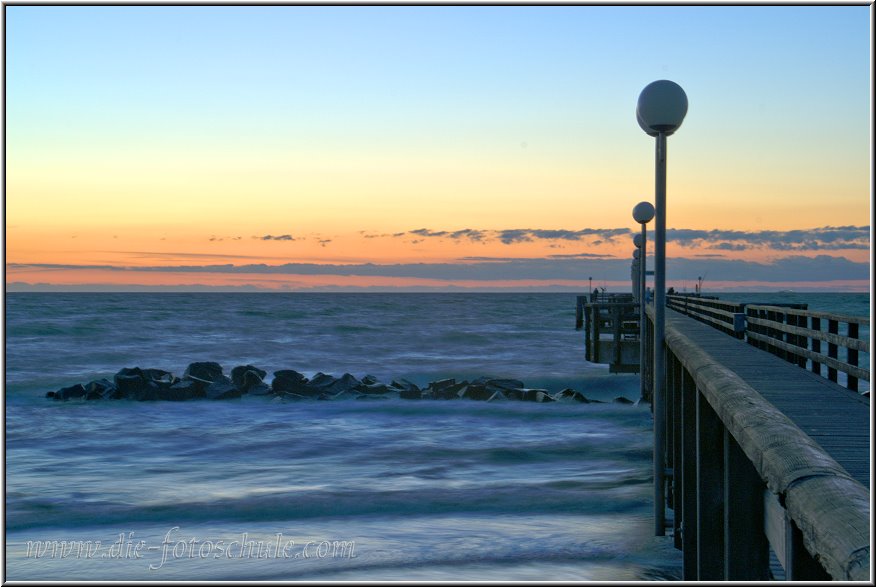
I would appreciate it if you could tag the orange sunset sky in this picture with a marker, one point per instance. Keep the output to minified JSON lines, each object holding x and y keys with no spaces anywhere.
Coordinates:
{"x":431,"y":147}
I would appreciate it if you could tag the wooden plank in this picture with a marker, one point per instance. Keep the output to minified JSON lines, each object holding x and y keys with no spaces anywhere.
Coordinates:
{"x":831,"y":362}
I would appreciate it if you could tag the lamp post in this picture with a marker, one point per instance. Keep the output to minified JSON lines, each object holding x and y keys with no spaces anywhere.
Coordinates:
{"x":643,"y":213}
{"x":635,"y":274}
{"x":660,"y":111}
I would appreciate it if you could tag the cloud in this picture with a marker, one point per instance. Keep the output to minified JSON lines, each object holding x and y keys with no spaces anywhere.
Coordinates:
{"x":793,"y":268}
{"x":282,"y":237}
{"x":516,"y":235}
{"x":825,"y":238}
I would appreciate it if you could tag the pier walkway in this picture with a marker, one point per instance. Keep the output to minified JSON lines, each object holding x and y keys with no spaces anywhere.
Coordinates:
{"x":762,"y":458}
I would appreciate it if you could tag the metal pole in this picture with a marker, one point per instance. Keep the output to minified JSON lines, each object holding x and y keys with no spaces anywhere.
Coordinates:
{"x":659,"y":335}
{"x":642,"y":289}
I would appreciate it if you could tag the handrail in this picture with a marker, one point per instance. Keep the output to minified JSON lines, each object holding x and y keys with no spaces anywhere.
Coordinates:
{"x":862,"y":320}
{"x":796,"y":335}
{"x":726,"y":316}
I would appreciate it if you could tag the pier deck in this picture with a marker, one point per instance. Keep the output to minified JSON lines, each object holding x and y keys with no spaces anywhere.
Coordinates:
{"x":766,"y":462}
{"x":836,"y":418}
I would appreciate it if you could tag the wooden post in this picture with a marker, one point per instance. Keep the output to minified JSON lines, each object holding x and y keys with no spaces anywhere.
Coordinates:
{"x":616,"y":328}
{"x":832,"y":328}
{"x":710,"y":493}
{"x":579,"y":312}
{"x":799,"y":564}
{"x":588,"y":342}
{"x":852,"y":356}
{"x":597,"y":323}
{"x":746,"y":548}
{"x":675,"y":415}
{"x":689,"y":476}
{"x":816,"y":344}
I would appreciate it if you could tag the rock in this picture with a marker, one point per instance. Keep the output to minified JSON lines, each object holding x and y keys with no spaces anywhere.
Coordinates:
{"x":205,"y":372}
{"x":260,"y":389}
{"x":445,"y":389}
{"x":182,"y":390}
{"x":570,"y":395}
{"x":245,"y":376}
{"x":160,"y":377}
{"x":222,"y":388}
{"x":289,"y":381}
{"x":346,"y":383}
{"x":497,"y":396}
{"x":139,"y":384}
{"x":537,"y":395}
{"x":128,"y":380}
{"x":503,"y":384}
{"x":373,"y":389}
{"x":251,"y":379}
{"x":405,"y":385}
{"x":369,"y":380}
{"x":513,"y":394}
{"x":74,"y":391}
{"x":50,"y":394}
{"x":322,"y":381}
{"x":100,"y":389}
{"x":622,"y":400}
{"x":476,"y":392}
{"x":410,"y":393}
{"x":441,"y":384}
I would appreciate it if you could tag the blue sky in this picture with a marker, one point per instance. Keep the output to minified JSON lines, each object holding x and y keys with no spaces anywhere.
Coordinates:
{"x":163,"y":128}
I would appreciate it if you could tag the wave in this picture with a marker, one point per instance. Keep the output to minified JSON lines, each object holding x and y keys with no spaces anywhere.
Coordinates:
{"x":24,"y":512}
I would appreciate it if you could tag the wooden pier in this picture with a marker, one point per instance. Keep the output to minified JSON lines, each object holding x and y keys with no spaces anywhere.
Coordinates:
{"x":611,"y":330}
{"x":766,"y":459}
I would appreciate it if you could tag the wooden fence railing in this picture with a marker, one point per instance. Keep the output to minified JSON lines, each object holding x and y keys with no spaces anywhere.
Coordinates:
{"x":797,"y":336}
{"x":726,"y":316}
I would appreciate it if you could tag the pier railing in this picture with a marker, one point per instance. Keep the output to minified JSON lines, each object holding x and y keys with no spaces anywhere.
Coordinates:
{"x":726,"y":316}
{"x":743,"y":478}
{"x":790,"y":331}
{"x":797,"y":336}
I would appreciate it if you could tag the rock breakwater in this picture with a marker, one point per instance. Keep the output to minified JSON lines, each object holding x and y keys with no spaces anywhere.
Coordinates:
{"x":207,"y":380}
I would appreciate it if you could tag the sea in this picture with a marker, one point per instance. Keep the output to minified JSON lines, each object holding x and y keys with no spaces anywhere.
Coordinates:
{"x":260,"y":488}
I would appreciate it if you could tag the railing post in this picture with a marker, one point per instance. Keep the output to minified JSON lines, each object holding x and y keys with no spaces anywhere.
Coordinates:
{"x":832,"y":328}
{"x":677,"y":493}
{"x":688,"y":469}
{"x":816,"y":344}
{"x":746,"y":548}
{"x":799,"y":564}
{"x":852,"y":356}
{"x":710,"y":492}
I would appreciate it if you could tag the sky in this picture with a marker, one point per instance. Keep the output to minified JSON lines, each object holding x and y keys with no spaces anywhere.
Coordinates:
{"x":495,"y":148}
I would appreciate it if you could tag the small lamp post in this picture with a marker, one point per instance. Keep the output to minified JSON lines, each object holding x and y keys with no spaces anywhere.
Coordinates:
{"x":643,"y":213}
{"x":660,"y":110}
{"x":635,"y":274}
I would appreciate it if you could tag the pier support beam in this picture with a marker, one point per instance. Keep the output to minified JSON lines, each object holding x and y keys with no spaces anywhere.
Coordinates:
{"x":688,"y":476}
{"x":710,"y":493}
{"x":746,"y":548}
